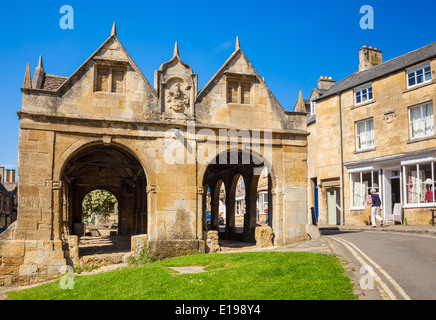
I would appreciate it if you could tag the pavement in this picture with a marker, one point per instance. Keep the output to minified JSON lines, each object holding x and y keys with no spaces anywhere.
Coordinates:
{"x":428,"y":230}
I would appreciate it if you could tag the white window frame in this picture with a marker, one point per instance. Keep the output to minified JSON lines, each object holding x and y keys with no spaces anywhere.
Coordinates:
{"x":312,"y":107}
{"x":360,"y":89}
{"x":415,"y":69}
{"x":417,"y":163}
{"x":430,"y":134}
{"x":359,"y":135}
{"x":373,"y":172}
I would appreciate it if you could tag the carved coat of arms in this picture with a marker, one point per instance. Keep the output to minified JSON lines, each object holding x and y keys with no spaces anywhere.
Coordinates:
{"x":176,"y":99}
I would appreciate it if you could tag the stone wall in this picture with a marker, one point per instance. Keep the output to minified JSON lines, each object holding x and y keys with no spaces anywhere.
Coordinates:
{"x":389,"y":111}
{"x":25,"y":262}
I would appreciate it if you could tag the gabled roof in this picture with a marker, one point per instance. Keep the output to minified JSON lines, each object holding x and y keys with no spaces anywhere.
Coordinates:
{"x":55,"y":84}
{"x":381,"y":70}
{"x":238,"y":51}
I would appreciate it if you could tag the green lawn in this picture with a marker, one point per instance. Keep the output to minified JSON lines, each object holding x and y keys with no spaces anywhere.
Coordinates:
{"x":232,"y":276}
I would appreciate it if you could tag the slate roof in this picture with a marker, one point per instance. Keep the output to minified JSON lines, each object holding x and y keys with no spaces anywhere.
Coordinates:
{"x":52,"y":82}
{"x":381,"y":70}
{"x":5,"y":191}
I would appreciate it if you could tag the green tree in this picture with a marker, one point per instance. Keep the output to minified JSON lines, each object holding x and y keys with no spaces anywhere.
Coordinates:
{"x":99,"y":202}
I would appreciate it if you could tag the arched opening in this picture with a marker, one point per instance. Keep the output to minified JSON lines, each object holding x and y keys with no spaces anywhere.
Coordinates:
{"x":117,"y":171}
{"x":264,"y":198}
{"x":240,"y":205}
{"x":239,"y":173}
{"x":207,"y":213}
{"x":218,"y":206}
{"x":100,"y":213}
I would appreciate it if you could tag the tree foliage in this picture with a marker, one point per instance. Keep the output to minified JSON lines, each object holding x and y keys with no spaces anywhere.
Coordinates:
{"x":100,"y":203}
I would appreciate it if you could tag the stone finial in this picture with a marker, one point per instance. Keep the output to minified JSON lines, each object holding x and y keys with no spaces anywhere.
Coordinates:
{"x":39,"y":75}
{"x":40,"y":65}
{"x":238,"y":45}
{"x":114,"y":29}
{"x":300,"y":107}
{"x":176,"y":50}
{"x":27,"y":78}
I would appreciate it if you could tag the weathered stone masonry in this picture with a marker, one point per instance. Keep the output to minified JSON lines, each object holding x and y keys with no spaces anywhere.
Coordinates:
{"x":106,"y":127}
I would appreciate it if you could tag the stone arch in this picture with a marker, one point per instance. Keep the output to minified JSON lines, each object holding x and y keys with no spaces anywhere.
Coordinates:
{"x":81,"y":144}
{"x":91,"y":189}
{"x":112,"y":167}
{"x":203,"y":166}
{"x":214,"y":171}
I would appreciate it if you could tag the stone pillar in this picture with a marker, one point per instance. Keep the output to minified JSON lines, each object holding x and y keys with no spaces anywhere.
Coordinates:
{"x":138,"y":243}
{"x":214,"y":203}
{"x":230,"y":215}
{"x":250,"y":208}
{"x":73,"y":247}
{"x":151,"y":211}
{"x":264,"y":236}
{"x":212,"y":244}
{"x":57,"y":209}
{"x":200,"y":212}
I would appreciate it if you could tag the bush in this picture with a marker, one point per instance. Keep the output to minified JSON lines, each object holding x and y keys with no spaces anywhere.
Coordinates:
{"x":142,"y":259}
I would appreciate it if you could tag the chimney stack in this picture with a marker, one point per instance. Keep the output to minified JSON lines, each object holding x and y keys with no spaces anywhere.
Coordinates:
{"x":9,"y":176}
{"x":369,"y":57}
{"x":325,"y":83}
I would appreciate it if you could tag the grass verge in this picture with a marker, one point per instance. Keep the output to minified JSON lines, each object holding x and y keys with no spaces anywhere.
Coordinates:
{"x":233,"y":276}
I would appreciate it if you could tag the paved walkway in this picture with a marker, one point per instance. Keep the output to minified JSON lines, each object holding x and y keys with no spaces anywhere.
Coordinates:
{"x":420,"y":230}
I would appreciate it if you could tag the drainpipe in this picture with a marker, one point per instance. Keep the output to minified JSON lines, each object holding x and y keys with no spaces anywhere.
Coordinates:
{"x":342,"y":161}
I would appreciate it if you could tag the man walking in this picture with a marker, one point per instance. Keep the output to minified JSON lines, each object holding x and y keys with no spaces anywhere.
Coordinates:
{"x":375,"y":209}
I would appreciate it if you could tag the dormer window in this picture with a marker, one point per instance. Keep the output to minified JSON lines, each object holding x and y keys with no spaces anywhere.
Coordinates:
{"x":418,"y":75}
{"x":312,"y":107}
{"x":239,"y":88}
{"x":110,"y":77}
{"x":363,"y":94}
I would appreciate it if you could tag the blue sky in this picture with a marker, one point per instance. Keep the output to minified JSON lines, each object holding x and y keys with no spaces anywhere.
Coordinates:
{"x":290,"y":43}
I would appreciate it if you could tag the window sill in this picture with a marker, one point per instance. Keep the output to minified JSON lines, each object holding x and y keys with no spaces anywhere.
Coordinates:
{"x":365,"y":150}
{"x":419,"y":205}
{"x":363,"y":104}
{"x":106,"y":93}
{"x":419,"y":86}
{"x":357,"y":208}
{"x":239,"y":104}
{"x":421,"y":139}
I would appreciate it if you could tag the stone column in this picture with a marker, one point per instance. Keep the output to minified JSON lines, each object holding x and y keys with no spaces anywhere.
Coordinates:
{"x":151,"y":211}
{"x":57,"y":209}
{"x":73,"y":247}
{"x":200,"y":212}
{"x":230,"y":215}
{"x":250,"y":208}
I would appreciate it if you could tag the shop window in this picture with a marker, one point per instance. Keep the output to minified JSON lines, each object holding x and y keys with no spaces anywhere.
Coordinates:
{"x":361,"y":185}
{"x":419,"y":184}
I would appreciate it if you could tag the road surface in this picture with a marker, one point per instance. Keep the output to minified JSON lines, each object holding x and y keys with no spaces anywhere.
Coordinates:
{"x":403,"y":265}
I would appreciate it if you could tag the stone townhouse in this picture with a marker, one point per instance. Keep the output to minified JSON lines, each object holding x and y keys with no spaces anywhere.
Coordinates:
{"x":8,"y":197}
{"x":375,"y":129}
{"x":157,"y":149}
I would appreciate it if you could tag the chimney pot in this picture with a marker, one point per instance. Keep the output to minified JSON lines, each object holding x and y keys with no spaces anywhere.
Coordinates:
{"x":369,"y":57}
{"x":325,"y":82}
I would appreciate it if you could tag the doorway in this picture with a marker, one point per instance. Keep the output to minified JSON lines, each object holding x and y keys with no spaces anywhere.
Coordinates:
{"x":334,"y":206}
{"x":392,"y":190}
